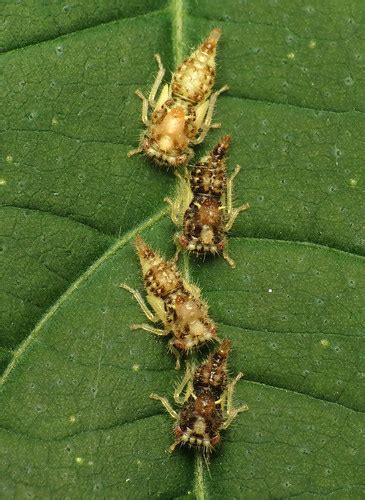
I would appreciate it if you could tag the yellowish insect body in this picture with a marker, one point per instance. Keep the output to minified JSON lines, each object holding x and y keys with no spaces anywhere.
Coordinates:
{"x":194,"y":78}
{"x":182,"y":114}
{"x":175,"y":302}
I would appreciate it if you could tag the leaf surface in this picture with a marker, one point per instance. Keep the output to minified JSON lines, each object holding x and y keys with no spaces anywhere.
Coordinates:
{"x":76,"y":419}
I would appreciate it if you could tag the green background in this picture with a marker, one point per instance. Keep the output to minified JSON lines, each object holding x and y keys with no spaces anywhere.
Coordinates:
{"x":75,"y":417}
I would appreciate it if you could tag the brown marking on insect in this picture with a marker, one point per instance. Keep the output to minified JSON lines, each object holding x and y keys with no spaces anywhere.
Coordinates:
{"x":182,"y":114}
{"x":161,"y":277}
{"x":175,"y":302}
{"x":209,"y":175}
{"x":194,"y":78}
{"x":170,"y":132}
{"x":213,"y":372}
{"x":203,"y":205}
{"x":203,"y":225}
{"x":206,"y":408}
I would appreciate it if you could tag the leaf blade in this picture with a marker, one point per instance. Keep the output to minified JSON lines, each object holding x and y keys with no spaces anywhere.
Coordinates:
{"x":85,"y":378}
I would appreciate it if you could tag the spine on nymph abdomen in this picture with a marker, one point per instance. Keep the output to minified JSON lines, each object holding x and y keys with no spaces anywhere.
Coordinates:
{"x":208,"y":176}
{"x":161,"y":277}
{"x":194,"y":78}
{"x":213,"y":373}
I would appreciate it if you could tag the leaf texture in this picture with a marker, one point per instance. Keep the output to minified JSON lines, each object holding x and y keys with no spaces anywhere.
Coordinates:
{"x":76,"y":420}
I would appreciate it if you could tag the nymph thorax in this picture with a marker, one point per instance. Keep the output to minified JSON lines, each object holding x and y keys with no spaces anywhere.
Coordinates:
{"x":171,"y":130}
{"x":187,"y":317}
{"x":203,"y":225}
{"x":200,"y":420}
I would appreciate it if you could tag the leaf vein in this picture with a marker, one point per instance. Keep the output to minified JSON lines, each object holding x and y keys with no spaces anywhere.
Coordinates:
{"x":24,"y":346}
{"x":86,"y":28}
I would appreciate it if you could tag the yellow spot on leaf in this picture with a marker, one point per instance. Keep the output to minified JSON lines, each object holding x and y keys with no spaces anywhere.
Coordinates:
{"x":291,"y":55}
{"x":2,"y":182}
{"x":9,"y":158}
{"x":79,"y":460}
{"x":312,"y":44}
{"x":325,"y":343}
{"x":353,"y":182}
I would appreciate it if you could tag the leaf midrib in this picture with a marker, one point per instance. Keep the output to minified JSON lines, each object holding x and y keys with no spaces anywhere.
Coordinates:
{"x":175,"y":8}
{"x":177,"y":41}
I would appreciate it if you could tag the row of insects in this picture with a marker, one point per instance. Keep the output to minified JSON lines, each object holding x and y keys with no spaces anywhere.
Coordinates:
{"x":181,"y":117}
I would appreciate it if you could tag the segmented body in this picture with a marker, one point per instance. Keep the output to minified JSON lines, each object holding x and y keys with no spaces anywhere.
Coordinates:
{"x":193,"y":80}
{"x":213,"y":373}
{"x":200,"y":420}
{"x":183,"y":111}
{"x":205,"y":219}
{"x":207,"y":406}
{"x":173,"y":127}
{"x":202,"y":415}
{"x":176,"y":302}
{"x":203,"y":226}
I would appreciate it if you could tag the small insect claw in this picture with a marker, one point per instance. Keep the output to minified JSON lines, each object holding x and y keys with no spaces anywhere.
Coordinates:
{"x":133,"y":152}
{"x":176,"y":256}
{"x":139,"y":93}
{"x":158,"y":58}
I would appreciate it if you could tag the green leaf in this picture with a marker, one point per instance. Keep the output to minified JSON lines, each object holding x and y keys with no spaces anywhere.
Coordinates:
{"x":76,"y":420}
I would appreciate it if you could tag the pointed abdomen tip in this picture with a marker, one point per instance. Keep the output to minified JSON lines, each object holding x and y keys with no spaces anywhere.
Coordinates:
{"x":215,"y":34}
{"x":138,"y":241}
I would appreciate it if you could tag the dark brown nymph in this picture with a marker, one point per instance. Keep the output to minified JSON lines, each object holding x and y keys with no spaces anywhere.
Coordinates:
{"x":207,"y":406}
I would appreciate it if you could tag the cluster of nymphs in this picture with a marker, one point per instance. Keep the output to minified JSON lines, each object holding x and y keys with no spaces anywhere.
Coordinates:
{"x":181,"y":116}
